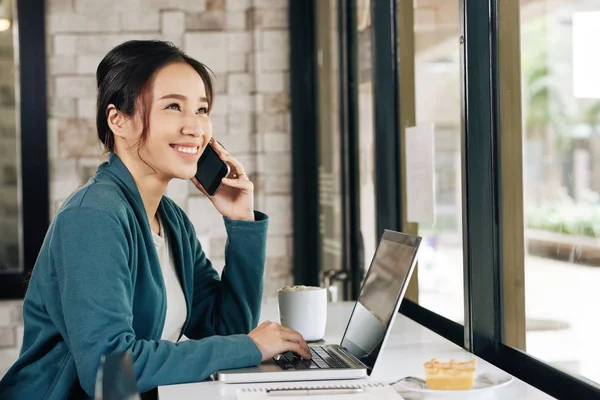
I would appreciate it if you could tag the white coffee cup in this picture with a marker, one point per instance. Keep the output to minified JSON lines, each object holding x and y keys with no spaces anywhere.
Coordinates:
{"x":304,"y":309}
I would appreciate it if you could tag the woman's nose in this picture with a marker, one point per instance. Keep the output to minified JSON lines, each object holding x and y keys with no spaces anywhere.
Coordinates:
{"x":193,"y":127}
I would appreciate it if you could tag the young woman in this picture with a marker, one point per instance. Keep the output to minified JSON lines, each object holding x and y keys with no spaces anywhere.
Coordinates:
{"x":121,"y":267}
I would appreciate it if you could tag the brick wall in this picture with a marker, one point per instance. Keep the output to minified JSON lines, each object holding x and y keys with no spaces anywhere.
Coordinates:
{"x":245,"y":42}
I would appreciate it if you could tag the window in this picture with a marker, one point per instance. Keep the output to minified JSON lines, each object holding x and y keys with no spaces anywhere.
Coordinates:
{"x":437,"y":100}
{"x":561,"y":182}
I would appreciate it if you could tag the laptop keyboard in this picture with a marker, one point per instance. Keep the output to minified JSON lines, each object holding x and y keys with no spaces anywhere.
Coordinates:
{"x":321,"y":358}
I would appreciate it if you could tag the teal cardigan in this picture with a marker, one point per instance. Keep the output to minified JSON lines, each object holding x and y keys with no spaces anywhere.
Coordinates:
{"x":97,"y":287}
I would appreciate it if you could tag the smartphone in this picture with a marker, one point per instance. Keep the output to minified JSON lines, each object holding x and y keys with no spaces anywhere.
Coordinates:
{"x":211,"y":169}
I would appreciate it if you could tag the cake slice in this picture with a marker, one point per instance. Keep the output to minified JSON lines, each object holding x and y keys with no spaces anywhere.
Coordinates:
{"x":452,"y":375}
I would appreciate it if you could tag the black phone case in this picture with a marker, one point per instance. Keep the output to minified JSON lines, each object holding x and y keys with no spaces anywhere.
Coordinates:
{"x":210,"y":159}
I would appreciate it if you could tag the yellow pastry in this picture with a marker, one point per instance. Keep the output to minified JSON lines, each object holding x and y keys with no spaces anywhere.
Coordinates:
{"x":452,"y":375}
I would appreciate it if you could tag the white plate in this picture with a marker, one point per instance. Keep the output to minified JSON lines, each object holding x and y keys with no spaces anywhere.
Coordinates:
{"x":482,"y":382}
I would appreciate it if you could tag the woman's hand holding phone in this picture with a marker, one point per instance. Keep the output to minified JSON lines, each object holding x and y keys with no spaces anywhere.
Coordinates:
{"x":235,"y":198}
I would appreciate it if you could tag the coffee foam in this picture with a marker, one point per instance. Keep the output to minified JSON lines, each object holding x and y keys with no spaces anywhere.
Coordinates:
{"x":298,"y":288}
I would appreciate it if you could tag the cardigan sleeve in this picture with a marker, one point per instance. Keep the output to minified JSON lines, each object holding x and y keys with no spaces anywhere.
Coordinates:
{"x":91,"y":252}
{"x":230,"y":304}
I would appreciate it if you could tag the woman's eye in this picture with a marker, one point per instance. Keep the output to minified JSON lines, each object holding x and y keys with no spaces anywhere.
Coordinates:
{"x":173,"y":106}
{"x":203,"y":110}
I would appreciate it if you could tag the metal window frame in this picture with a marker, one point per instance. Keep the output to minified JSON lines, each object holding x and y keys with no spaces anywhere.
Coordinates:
{"x":34,"y":176}
{"x":304,"y":143}
{"x":352,"y":241}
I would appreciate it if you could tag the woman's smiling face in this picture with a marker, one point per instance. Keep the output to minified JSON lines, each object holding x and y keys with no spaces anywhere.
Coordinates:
{"x":178,"y":123}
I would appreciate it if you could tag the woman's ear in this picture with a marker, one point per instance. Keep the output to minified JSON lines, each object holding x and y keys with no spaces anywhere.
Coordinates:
{"x":117,"y":122}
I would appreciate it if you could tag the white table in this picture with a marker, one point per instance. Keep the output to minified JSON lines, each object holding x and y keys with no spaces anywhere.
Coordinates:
{"x":407,"y":348}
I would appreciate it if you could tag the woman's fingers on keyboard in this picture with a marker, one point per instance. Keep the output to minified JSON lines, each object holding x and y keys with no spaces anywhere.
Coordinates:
{"x":293,"y":336}
{"x":298,"y":349}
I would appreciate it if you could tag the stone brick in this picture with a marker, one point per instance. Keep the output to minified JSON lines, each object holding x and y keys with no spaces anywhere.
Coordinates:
{"x":208,"y":46}
{"x":87,"y":64}
{"x":220,"y":83}
{"x":220,"y":105}
{"x":148,"y":21}
{"x":216,"y":246}
{"x":239,"y":42}
{"x":236,"y":21}
{"x":64,"y":45}
{"x":270,"y":123}
{"x":61,"y":65}
{"x":16,"y":313}
{"x":279,"y":209}
{"x":205,"y":21}
{"x":86,"y":107}
{"x":271,"y":82}
{"x":5,"y":314}
{"x":100,"y":21}
{"x":267,"y":18}
{"x":19,"y":336}
{"x":275,"y":39}
{"x":205,"y":217}
{"x":277,"y":246}
{"x":219,"y":124}
{"x":59,"y":6}
{"x":276,"y":102}
{"x":63,"y":107}
{"x":75,"y":86}
{"x":218,"y":264}
{"x":236,"y":62}
{"x":7,"y":337}
{"x":272,"y":60}
{"x":179,"y":190}
{"x":272,"y":3}
{"x":276,"y":142}
{"x":172,"y":23}
{"x":103,"y":43}
{"x":248,"y":161}
{"x":258,"y":103}
{"x":241,"y":103}
{"x":93,"y":6}
{"x":7,"y":357}
{"x":239,"y":122}
{"x":240,"y":83}
{"x":7,"y":148}
{"x":215,"y":5}
{"x":237,"y":5}
{"x":53,"y":153}
{"x":278,"y":267}
{"x":78,"y":138}
{"x":186,"y":5}
{"x":276,"y":184}
{"x":64,"y":177}
{"x":274,"y":162}
{"x":87,"y":167}
{"x":238,"y":143}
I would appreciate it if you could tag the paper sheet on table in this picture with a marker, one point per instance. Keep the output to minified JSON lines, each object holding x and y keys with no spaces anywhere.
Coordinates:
{"x":374,"y":391}
{"x":420,"y":173}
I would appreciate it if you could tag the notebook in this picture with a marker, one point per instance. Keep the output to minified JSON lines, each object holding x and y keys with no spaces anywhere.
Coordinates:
{"x":364,"y":391}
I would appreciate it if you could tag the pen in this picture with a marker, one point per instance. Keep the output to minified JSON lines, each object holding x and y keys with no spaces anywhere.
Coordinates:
{"x":311,"y":392}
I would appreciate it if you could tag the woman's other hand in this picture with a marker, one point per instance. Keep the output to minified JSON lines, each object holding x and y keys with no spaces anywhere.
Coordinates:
{"x":273,"y":339}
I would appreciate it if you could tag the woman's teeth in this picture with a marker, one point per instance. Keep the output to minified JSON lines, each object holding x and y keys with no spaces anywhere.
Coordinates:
{"x":189,"y":150}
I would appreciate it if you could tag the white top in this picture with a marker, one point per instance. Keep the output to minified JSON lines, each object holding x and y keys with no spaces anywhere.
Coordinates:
{"x":176,"y":307}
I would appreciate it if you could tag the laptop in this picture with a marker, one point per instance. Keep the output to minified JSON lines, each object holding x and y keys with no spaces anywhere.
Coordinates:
{"x":366,"y":332}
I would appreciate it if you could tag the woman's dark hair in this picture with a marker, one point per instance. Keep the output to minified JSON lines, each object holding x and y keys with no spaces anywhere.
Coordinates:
{"x":125,"y":74}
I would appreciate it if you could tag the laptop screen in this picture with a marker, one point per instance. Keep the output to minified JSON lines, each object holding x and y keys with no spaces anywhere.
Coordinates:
{"x":380,"y":295}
